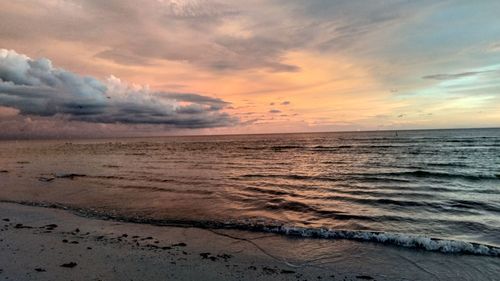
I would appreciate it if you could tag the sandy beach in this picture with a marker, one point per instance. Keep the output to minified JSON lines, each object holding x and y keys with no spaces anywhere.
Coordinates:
{"x":48,"y":244}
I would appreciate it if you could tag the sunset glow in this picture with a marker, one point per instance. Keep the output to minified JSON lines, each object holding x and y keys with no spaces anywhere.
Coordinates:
{"x":281,"y":66}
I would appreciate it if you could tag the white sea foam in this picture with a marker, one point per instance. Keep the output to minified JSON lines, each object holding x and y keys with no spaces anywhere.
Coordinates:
{"x":397,"y":239}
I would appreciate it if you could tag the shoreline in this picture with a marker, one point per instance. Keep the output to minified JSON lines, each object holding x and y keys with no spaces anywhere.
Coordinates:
{"x":412,"y":242}
{"x":51,"y":244}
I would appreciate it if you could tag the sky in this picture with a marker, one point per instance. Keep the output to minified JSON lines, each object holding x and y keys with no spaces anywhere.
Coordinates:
{"x":168,"y":67}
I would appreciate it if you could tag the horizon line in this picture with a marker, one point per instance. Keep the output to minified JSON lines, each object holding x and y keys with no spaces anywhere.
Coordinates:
{"x":237,"y":134}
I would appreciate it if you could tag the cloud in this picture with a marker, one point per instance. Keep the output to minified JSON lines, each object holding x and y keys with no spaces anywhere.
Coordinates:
{"x":285,"y":103}
{"x":190,"y":31}
{"x":454,"y":76}
{"x":37,"y":88}
{"x":274,"y":111}
{"x":218,"y":35}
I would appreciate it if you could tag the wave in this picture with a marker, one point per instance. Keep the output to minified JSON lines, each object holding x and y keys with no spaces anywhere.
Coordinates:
{"x":397,"y":239}
{"x":286,"y":177}
{"x":285,"y":147}
{"x":131,"y":179}
{"x":164,"y":189}
{"x":278,"y":204}
{"x":463,"y":206}
{"x":383,"y":176}
{"x":449,"y":164}
{"x":386,"y":238}
{"x":423,"y":173}
{"x":329,"y":148}
{"x":474,"y":205}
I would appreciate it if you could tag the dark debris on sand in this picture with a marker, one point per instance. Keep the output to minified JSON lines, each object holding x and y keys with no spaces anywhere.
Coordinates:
{"x":20,"y":225}
{"x":269,"y":270}
{"x":38,"y":269}
{"x":211,"y":257}
{"x":205,"y":255}
{"x":69,"y":264}
{"x":364,"y":277}
{"x":225,"y":257}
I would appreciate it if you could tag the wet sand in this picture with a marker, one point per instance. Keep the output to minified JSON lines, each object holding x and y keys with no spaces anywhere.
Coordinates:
{"x":48,"y":244}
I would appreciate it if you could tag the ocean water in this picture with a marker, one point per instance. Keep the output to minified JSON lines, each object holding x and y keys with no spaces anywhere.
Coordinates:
{"x":437,"y":190}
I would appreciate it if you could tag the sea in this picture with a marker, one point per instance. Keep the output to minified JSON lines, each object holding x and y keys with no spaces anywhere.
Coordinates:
{"x":432,"y":190}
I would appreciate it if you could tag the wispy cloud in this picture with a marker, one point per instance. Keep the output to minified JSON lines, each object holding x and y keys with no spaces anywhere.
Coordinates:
{"x":454,"y":75}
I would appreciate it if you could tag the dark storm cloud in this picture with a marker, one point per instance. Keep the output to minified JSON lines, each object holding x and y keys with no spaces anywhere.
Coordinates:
{"x":35,"y":87}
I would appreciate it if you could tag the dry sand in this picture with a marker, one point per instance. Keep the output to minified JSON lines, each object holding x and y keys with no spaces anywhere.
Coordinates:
{"x":48,"y":244}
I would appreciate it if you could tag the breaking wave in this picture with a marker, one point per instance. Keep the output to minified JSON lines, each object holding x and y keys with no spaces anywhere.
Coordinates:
{"x":397,"y":239}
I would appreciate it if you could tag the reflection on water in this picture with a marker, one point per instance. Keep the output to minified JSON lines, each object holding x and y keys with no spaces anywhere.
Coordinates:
{"x":442,"y":183}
